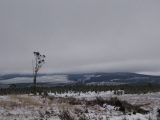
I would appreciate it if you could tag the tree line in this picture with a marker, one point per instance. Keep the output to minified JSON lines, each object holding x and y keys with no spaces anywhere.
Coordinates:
{"x":129,"y":89}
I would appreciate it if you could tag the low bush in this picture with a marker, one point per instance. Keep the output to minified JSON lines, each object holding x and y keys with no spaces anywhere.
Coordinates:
{"x":65,"y":115}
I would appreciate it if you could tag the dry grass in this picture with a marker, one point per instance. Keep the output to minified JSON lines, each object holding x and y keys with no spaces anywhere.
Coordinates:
{"x":8,"y":104}
{"x":66,"y":108}
{"x":28,"y":100}
{"x":19,"y":101}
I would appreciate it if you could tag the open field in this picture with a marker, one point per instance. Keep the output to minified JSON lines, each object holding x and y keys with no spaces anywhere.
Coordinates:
{"x":80,"y":106}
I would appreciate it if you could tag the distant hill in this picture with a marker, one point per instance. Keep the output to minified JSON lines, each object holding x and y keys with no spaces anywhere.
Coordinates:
{"x":85,"y":78}
{"x":128,"y":78}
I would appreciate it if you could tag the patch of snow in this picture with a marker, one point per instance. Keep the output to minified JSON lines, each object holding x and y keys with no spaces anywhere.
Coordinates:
{"x":40,"y":79}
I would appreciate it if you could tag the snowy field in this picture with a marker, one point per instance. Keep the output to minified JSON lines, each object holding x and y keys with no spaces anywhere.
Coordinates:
{"x":74,"y":106}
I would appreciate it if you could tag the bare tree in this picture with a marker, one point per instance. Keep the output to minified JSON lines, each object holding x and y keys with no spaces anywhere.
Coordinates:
{"x":37,"y":64}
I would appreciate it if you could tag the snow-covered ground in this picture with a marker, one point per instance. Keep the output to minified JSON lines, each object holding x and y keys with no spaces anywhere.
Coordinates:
{"x":28,"y":107}
{"x":41,"y":79}
{"x":81,"y":95}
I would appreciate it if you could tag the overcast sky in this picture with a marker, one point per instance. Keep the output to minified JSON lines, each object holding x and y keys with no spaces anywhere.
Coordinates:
{"x":80,"y":35}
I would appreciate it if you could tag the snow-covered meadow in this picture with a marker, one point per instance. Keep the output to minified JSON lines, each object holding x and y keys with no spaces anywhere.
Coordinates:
{"x":76,"y":106}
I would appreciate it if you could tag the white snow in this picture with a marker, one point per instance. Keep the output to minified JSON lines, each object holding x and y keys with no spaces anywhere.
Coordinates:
{"x":35,"y":107}
{"x":40,"y":79}
{"x":88,"y":95}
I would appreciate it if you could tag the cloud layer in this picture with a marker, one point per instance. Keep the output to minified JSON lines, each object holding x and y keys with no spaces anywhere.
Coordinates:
{"x":81,"y":36}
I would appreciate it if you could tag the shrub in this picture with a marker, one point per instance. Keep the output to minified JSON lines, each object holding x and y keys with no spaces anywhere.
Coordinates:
{"x":65,"y":115}
{"x":83,"y":117}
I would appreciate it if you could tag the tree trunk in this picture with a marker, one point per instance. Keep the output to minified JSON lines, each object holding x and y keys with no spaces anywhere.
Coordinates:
{"x":34,"y":83}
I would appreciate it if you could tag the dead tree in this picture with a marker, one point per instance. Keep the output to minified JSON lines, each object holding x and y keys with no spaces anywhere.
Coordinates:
{"x":37,"y":64}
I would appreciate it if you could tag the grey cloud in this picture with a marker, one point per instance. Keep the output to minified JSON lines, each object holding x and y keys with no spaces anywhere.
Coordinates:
{"x":80,"y":36}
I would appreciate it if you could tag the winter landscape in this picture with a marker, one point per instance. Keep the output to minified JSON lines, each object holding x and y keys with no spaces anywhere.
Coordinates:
{"x":87,"y":96}
{"x":79,"y":59}
{"x":80,"y":106}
